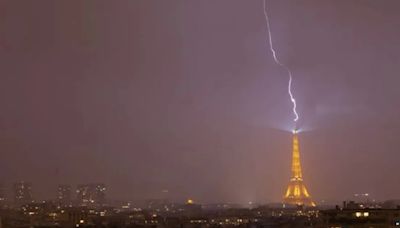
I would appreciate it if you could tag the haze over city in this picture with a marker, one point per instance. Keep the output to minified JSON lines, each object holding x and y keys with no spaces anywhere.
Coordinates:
{"x":182,"y":99}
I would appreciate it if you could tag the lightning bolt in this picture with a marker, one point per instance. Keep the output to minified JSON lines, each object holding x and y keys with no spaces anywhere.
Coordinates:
{"x":292,"y":99}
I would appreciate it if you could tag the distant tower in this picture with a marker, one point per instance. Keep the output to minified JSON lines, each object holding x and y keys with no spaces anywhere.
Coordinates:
{"x":296,"y":193}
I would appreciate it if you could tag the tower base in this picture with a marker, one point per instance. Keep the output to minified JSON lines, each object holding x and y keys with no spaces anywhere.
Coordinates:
{"x":297,"y":194}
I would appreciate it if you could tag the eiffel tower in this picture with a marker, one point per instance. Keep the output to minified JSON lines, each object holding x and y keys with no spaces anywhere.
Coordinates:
{"x":296,"y":193}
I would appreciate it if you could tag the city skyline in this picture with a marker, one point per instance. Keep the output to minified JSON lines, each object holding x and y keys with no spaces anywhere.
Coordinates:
{"x":183,"y":99}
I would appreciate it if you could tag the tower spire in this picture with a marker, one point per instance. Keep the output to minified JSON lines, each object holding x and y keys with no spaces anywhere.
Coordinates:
{"x":296,"y":193}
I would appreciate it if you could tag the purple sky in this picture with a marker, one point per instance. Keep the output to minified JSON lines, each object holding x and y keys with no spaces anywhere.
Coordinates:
{"x":185,"y":96}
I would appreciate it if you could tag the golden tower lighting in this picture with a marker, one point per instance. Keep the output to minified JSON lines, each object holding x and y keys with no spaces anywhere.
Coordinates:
{"x":296,"y":193}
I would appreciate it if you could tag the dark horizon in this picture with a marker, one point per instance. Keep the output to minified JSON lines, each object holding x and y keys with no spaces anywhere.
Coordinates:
{"x":145,"y":96}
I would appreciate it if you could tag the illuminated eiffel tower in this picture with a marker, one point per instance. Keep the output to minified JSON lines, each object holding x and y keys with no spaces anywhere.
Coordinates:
{"x":296,"y":193}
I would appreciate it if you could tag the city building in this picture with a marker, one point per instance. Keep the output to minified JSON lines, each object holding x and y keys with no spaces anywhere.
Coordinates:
{"x":391,"y":204}
{"x":358,"y":218}
{"x":191,"y":208}
{"x":91,"y":194}
{"x":2,"y":194}
{"x":22,"y":193}
{"x":296,"y":193}
{"x":64,"y":195}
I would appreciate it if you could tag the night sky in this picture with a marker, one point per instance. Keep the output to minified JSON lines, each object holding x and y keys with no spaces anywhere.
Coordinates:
{"x":184,"y":95}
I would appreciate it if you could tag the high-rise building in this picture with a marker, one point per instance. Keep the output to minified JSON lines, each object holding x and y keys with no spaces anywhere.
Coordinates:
{"x":23,"y":193}
{"x":64,"y":194}
{"x":91,"y":194}
{"x":2,"y":195}
{"x":296,"y":193}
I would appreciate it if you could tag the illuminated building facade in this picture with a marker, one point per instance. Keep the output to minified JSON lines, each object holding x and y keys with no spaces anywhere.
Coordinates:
{"x":2,"y":196}
{"x":360,"y":218}
{"x":91,"y":194}
{"x":23,"y":193}
{"x":296,"y":193}
{"x":64,"y":194}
